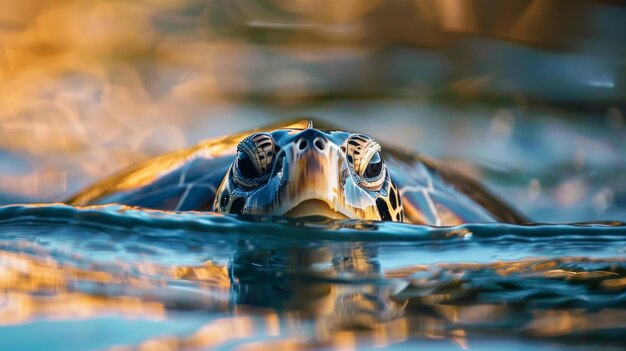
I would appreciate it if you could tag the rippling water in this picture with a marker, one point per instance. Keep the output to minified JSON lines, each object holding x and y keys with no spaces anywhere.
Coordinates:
{"x":117,"y":277}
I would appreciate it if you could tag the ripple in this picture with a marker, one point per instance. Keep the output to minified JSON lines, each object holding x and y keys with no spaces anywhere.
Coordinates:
{"x":121,"y":216}
{"x":313,"y":283}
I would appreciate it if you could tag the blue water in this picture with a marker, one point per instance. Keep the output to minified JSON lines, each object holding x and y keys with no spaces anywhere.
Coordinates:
{"x":114,"y":276}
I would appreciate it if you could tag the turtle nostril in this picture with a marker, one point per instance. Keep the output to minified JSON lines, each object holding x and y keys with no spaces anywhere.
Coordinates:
{"x":303,"y":144}
{"x":320,"y":144}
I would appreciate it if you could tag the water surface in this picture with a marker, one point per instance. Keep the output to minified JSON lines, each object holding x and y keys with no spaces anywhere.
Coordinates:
{"x":112,"y":276}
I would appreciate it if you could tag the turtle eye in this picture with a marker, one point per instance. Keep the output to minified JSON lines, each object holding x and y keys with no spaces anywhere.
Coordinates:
{"x":363,"y":154}
{"x":374,"y":167}
{"x":255,"y":157}
{"x":245,"y":166}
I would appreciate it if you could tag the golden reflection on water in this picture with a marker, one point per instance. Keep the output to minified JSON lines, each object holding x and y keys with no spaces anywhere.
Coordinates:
{"x":20,"y":308}
{"x":422,"y":302}
{"x":25,"y":273}
{"x":544,"y":324}
{"x":553,"y":323}
{"x":35,"y":287}
{"x":209,"y":272}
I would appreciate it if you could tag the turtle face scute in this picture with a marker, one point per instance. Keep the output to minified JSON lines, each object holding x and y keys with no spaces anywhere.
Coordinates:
{"x":305,"y":172}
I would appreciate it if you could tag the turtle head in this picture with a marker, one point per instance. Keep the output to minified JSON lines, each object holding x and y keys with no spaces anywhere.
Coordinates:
{"x":307,"y":172}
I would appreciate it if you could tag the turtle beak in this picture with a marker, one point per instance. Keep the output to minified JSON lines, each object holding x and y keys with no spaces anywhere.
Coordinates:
{"x":310,"y":208}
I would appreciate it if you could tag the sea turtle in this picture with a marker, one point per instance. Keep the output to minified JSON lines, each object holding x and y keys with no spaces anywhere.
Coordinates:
{"x":299,"y":170}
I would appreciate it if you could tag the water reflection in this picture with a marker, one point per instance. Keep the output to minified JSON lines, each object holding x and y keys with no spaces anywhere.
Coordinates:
{"x":331,"y":285}
{"x":275,"y":286}
{"x":35,"y":288}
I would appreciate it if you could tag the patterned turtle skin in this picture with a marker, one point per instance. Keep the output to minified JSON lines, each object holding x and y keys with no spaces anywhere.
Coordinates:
{"x":298,"y":170}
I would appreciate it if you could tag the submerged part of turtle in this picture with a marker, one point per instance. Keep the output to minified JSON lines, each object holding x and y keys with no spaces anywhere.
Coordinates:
{"x":297,"y":170}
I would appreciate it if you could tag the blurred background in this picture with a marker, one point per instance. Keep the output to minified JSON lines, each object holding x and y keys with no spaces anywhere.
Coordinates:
{"x":528,"y":96}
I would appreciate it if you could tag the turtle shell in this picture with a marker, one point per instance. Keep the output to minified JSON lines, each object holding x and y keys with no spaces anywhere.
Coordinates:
{"x":431,"y":192}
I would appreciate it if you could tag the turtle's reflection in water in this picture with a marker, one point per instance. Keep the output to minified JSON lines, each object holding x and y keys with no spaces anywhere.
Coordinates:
{"x":324,"y":296}
{"x":340,"y":288}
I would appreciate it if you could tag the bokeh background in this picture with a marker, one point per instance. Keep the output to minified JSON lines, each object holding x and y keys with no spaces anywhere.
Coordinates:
{"x":528,"y":96}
